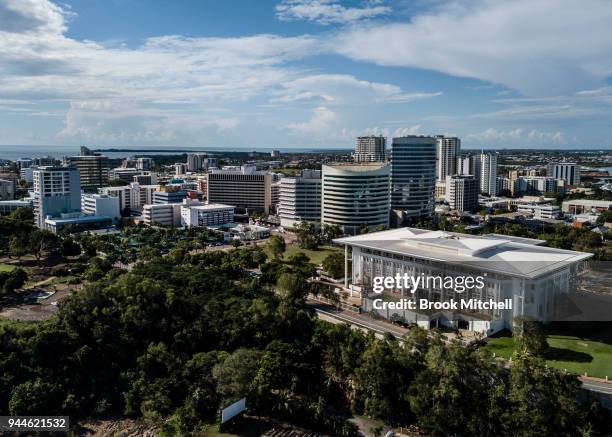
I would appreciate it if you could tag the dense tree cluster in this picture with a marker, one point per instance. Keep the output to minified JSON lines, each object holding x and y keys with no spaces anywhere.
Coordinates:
{"x":183,"y":335}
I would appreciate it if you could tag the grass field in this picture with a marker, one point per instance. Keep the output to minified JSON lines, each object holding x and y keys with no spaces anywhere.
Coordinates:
{"x":6,"y":267}
{"x":576,"y":354}
{"x":316,"y":256}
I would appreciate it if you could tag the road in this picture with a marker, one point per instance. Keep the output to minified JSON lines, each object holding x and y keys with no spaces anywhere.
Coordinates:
{"x":596,"y":386}
{"x":362,"y":321}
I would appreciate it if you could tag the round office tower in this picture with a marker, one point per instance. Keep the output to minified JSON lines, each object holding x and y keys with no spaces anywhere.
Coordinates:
{"x":355,"y":195}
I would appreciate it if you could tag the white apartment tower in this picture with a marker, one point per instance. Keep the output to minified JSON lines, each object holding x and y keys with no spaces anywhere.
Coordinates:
{"x":488,"y":173}
{"x":462,"y":193}
{"x":370,"y":149}
{"x":447,"y":152}
{"x":57,"y":190}
{"x":300,"y":199}
{"x":569,"y":171}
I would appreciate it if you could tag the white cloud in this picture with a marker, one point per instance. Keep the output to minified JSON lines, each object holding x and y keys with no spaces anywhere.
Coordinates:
{"x":327,"y":11}
{"x":535,"y":46}
{"x":322,"y":122}
{"x":404,"y":131}
{"x":342,"y":89}
{"x":518,"y":136}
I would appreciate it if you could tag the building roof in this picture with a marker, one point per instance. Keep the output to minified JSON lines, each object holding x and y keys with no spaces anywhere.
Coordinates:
{"x":209,"y":206}
{"x":493,"y":253}
{"x":589,"y":202}
{"x":350,"y":166}
{"x":78,"y":219}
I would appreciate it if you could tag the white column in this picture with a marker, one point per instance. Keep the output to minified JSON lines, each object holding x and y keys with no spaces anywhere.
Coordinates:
{"x":346,"y":267}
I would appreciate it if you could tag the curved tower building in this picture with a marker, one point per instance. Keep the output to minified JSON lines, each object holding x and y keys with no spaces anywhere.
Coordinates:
{"x":354,"y":195}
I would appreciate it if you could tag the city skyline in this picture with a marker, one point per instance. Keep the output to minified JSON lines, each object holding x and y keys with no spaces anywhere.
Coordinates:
{"x":304,"y":74}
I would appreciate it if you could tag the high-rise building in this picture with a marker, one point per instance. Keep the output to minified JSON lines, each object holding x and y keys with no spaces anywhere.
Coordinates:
{"x":146,"y":178}
{"x":569,"y":171}
{"x":45,"y":161}
{"x":94,"y":168}
{"x":7,"y":189}
{"x":243,"y":188}
{"x":413,"y":177}
{"x":200,"y":161}
{"x":488,"y":173}
{"x":57,"y":190}
{"x":538,"y":185}
{"x":462,"y":192}
{"x":447,"y":151}
{"x":469,"y":165}
{"x":370,"y":149}
{"x":24,"y":163}
{"x":141,"y":163}
{"x":355,"y":195}
{"x":300,"y":199}
{"x":126,"y":174}
{"x":195,"y":160}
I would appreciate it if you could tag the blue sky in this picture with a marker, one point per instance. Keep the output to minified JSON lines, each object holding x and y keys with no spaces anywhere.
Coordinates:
{"x":305,"y":73}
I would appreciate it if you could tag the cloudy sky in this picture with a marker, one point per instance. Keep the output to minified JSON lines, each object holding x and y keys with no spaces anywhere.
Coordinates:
{"x":305,"y":73}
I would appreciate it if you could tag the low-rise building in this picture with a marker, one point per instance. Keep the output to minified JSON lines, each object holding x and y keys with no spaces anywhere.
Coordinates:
{"x":7,"y":189}
{"x":8,"y":206}
{"x":76,"y":222}
{"x":213,"y":214}
{"x":527,"y":277}
{"x":540,"y":211}
{"x":165,"y":195}
{"x":132,"y":197}
{"x":163,"y":214}
{"x":578,"y":206}
{"x":101,"y":205}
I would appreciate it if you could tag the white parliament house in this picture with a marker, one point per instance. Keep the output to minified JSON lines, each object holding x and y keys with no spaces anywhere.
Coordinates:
{"x":516,"y":271}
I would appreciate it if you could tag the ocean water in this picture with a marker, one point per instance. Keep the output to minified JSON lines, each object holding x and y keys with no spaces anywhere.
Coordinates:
{"x":13,"y":153}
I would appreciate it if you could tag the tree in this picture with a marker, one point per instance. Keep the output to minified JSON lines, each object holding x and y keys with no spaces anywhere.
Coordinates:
{"x":69,"y":247}
{"x":529,"y":336}
{"x":236,"y":374}
{"x":291,"y":286}
{"x":236,"y":243}
{"x":330,"y":232}
{"x":307,"y":236}
{"x":605,"y":217}
{"x":23,"y":215}
{"x":18,"y":246}
{"x":42,"y":241}
{"x":11,"y":281}
{"x":277,"y":245}
{"x":259,"y":256}
{"x":543,"y":400}
{"x":334,"y":264}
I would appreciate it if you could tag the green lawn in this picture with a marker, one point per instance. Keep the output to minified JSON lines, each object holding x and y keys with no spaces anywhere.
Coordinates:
{"x":6,"y":267}
{"x":577,"y":355}
{"x":316,"y":256}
